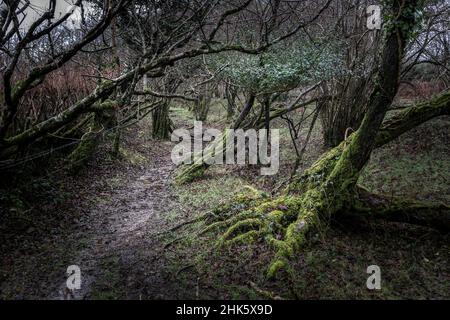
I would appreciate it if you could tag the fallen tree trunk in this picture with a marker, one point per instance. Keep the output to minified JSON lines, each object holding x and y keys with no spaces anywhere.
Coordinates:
{"x":424,"y":213}
{"x":189,"y":172}
{"x":411,"y":117}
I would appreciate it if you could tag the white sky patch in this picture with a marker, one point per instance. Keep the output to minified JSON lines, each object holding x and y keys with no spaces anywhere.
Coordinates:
{"x":38,"y":7}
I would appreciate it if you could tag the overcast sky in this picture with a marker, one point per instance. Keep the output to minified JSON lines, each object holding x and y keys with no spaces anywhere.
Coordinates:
{"x":37,"y":7}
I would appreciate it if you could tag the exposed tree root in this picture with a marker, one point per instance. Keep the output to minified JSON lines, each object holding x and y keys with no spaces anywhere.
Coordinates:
{"x":266,"y":294}
{"x":284,"y":222}
{"x":329,"y":188}
{"x":310,"y":201}
{"x":281,"y":222}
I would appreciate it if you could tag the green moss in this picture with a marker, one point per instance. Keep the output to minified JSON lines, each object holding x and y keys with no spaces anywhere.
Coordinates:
{"x":246,"y":238}
{"x":82,"y":153}
{"x":275,"y":215}
{"x":282,"y":247}
{"x":190,"y":173}
{"x":135,"y":158}
{"x":275,"y":267}
{"x":241,"y":225}
{"x":295,"y":233}
{"x":309,"y":202}
{"x":318,"y":172}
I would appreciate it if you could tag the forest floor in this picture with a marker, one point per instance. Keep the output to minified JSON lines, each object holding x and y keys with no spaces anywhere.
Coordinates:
{"x":113,"y":220}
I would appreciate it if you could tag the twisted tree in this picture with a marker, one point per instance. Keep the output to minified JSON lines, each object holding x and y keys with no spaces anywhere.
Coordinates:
{"x":265,"y":78}
{"x":328,"y":189}
{"x":206,"y":35}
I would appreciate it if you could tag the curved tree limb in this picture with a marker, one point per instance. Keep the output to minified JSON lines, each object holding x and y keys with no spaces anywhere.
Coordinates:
{"x":411,"y":117}
{"x":424,"y":213}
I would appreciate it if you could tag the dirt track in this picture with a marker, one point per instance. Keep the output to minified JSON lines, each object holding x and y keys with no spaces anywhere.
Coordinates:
{"x":114,"y":240}
{"x":123,"y":227}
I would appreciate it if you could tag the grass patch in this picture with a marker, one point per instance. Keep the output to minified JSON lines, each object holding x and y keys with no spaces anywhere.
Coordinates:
{"x":108,"y":286}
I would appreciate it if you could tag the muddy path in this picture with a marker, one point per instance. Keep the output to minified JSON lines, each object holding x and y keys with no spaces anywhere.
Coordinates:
{"x":123,"y":236}
{"x":122,"y":226}
{"x":115,"y":237}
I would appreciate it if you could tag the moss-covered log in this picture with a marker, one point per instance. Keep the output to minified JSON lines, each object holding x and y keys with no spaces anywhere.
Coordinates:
{"x":86,"y":105}
{"x":424,"y":213}
{"x":189,"y":172}
{"x":201,"y":162}
{"x":413,"y":116}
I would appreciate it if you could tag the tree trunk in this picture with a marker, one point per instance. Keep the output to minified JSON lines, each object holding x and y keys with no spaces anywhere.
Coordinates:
{"x":83,"y":152}
{"x":230,"y":95}
{"x":190,"y":172}
{"x":161,"y":124}
{"x":328,"y":187}
{"x":201,"y":107}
